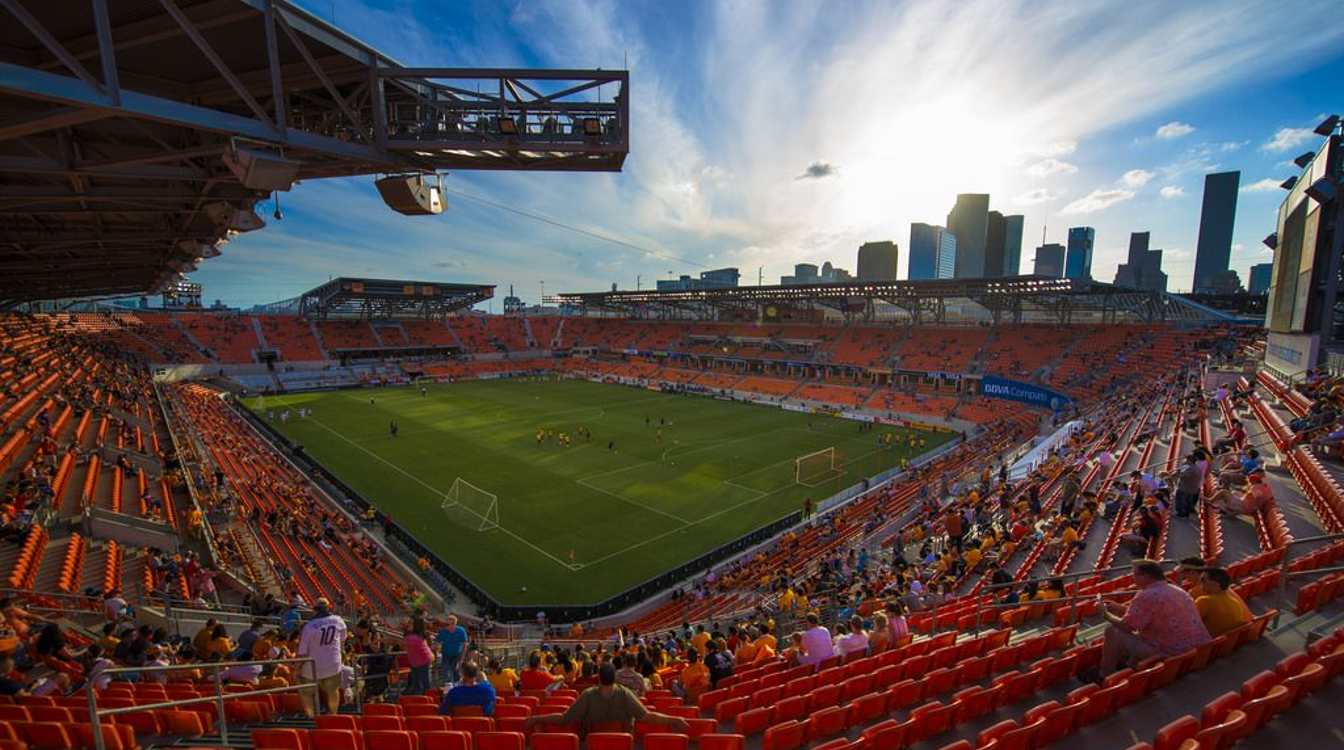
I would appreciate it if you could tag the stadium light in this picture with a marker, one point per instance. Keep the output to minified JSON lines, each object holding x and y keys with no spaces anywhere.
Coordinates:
{"x":1288,"y":183}
{"x":592,"y":126}
{"x":506,"y":125}
{"x":1304,"y":159}
{"x":1272,"y":241}
{"x":1322,"y":190}
{"x":1327,"y":126}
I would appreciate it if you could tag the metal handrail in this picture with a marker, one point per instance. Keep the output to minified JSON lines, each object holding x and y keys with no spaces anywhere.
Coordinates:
{"x":217,"y":668}
{"x":1067,"y":576}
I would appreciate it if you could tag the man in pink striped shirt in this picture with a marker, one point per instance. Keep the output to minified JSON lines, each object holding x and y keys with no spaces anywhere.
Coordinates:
{"x":1161,"y":620}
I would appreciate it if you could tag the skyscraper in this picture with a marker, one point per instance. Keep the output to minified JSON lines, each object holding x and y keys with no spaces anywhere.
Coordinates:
{"x":969,"y":220}
{"x":1050,"y":260}
{"x":1078,"y":258}
{"x":1143,"y":268}
{"x":933,"y":252}
{"x":994,"y":244}
{"x":1257,"y":281}
{"x":878,"y":261}
{"x":1012,"y":245}
{"x":1216,"y":218}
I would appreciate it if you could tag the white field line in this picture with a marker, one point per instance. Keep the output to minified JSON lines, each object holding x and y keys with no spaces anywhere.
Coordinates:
{"x":431,"y":488}
{"x":628,"y":501}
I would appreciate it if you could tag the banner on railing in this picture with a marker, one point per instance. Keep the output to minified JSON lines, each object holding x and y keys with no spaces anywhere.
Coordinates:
{"x":1027,"y":393}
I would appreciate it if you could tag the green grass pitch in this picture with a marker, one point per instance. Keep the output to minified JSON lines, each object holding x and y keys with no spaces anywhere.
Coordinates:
{"x":577,"y":524}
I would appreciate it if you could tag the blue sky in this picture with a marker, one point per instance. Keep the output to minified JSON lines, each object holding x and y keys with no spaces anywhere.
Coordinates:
{"x":1098,"y":113}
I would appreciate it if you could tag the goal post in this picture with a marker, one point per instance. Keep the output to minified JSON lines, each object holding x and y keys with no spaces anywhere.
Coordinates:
{"x":469,"y":506}
{"x":817,"y":467}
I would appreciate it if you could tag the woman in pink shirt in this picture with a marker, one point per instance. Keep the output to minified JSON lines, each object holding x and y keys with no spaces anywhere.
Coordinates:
{"x":418,"y":657}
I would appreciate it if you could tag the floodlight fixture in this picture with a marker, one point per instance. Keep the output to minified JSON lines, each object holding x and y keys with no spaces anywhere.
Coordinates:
{"x":1322,"y":190}
{"x":1272,"y":241}
{"x":506,"y":125}
{"x":1327,"y":126}
{"x":1304,"y":159}
{"x":592,"y":126}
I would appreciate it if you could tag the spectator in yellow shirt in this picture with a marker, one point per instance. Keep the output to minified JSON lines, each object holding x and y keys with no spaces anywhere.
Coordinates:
{"x":504,"y":680}
{"x":699,"y":640}
{"x":694,"y":678}
{"x":1220,"y":609}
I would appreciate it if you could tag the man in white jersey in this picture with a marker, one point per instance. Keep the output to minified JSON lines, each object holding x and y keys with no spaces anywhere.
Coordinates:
{"x":322,"y":638}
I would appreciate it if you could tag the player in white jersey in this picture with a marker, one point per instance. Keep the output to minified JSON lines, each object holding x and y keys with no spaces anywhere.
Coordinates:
{"x":322,"y":638}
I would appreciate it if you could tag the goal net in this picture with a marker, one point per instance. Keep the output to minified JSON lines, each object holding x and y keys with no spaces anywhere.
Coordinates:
{"x":471,"y":507}
{"x":817,"y":467}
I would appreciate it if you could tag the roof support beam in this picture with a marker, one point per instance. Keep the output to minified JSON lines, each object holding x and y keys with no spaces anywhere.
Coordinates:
{"x":50,"y":42}
{"x":217,"y":61}
{"x":63,"y":117}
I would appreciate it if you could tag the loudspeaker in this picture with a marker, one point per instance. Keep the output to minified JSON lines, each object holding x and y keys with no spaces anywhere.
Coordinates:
{"x":231,"y":219}
{"x":261,"y":170}
{"x":410,"y":195}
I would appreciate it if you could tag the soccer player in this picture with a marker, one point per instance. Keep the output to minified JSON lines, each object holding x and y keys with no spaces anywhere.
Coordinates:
{"x":370,"y":400}
{"x":660,"y":436}
{"x":321,"y":639}
{"x":424,"y":391}
{"x":611,"y":445}
{"x":392,"y":428}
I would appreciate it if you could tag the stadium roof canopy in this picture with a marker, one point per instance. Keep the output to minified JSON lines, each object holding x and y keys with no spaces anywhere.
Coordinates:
{"x":384,"y":298}
{"x":117,"y":118}
{"x":1013,"y":299}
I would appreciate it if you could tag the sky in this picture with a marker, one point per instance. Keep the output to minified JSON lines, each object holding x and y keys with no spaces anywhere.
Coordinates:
{"x":768,"y":134}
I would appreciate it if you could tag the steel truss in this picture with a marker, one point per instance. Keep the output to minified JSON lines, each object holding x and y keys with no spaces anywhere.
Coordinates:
{"x":1015,"y":299}
{"x":116,"y":114}
{"x":376,"y":299}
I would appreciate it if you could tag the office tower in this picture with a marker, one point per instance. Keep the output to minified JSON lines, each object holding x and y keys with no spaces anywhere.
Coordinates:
{"x":933,"y":252}
{"x":1050,"y":260}
{"x":1216,"y":218}
{"x":1012,"y":245}
{"x":969,"y":221}
{"x":719,"y":278}
{"x":1078,"y":254}
{"x":994,"y":244}
{"x":878,"y":261}
{"x":806,"y":273}
{"x":1143,"y":267}
{"x":1258,"y":279}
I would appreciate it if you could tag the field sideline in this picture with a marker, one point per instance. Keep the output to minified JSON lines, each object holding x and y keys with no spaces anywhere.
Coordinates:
{"x":582,"y":523}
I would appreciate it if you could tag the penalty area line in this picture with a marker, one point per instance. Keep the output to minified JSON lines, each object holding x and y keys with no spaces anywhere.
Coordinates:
{"x":436,"y":491}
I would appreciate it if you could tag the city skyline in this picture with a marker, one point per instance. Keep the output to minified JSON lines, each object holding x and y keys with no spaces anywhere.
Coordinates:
{"x":1052,"y":131}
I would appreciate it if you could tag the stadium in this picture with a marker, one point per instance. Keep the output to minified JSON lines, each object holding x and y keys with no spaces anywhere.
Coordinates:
{"x":987,"y":512}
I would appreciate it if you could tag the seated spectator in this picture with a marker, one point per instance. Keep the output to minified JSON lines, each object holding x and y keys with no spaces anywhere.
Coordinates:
{"x":629,"y":677}
{"x":606,"y":703}
{"x":1257,"y":496}
{"x":855,"y":641}
{"x":534,"y":677}
{"x":694,"y":678}
{"x":1220,"y":609}
{"x":504,"y":679}
{"x":1161,"y":620}
{"x":470,"y":691}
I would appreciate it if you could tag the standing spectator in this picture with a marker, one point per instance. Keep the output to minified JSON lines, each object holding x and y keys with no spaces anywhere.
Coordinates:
{"x":452,"y":640}
{"x":419,"y":657}
{"x":1188,"y":486}
{"x":471,"y":691}
{"x":321,"y":639}
{"x":1161,"y":620}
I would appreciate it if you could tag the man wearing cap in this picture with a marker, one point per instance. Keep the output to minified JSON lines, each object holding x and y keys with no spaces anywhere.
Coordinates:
{"x":1257,"y":496}
{"x":321,"y":640}
{"x":609,"y":702}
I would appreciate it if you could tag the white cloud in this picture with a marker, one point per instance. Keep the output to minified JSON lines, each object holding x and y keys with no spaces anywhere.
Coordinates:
{"x":1050,"y":167}
{"x":1174,"y":129}
{"x":1136,"y":178}
{"x":1039,"y":195}
{"x":1287,"y":138}
{"x":705,"y":175}
{"x":1097,"y":200}
{"x":1261,"y":186}
{"x":1172,"y":191}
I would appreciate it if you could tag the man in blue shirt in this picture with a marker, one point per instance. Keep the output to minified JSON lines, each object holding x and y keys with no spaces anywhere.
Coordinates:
{"x":471,"y":691}
{"x":452,"y":639}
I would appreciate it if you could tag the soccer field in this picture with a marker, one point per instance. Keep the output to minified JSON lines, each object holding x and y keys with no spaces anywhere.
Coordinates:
{"x":577,"y":524}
